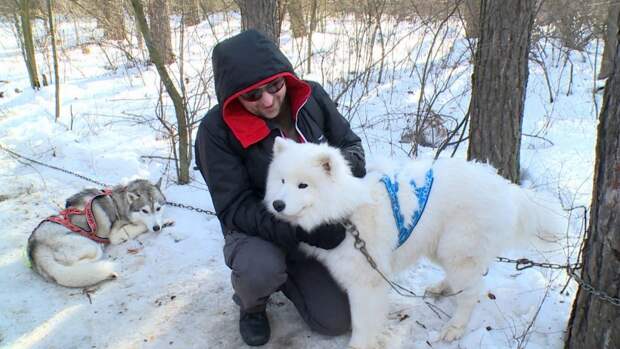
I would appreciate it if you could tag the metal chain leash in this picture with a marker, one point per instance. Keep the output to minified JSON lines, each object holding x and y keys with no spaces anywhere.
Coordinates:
{"x":586,"y":286}
{"x":520,"y":264}
{"x":524,"y":263}
{"x":360,"y":244}
{"x":170,"y":203}
{"x":191,"y":208}
{"x":52,"y":166}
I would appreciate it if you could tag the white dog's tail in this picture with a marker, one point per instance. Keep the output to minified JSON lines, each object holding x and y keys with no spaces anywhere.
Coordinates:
{"x":81,"y":274}
{"x":541,"y":221}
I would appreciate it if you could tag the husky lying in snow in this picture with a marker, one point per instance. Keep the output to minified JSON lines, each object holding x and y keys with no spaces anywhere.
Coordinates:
{"x":66,"y":250}
{"x":465,"y":214}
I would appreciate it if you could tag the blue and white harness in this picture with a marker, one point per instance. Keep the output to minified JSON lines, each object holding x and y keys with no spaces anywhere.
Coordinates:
{"x":422,"y":193}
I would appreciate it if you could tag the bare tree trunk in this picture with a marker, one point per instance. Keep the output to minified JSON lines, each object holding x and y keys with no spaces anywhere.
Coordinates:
{"x":595,"y":323}
{"x":183,"y":86}
{"x":26,"y":29}
{"x":296,"y":14}
{"x":159,"y":19}
{"x":20,"y":36}
{"x":611,"y":41}
{"x":139,"y":36}
{"x":204,"y":8}
{"x":261,"y":15}
{"x":191,"y":12}
{"x":470,"y":10}
{"x":50,"y":15}
{"x":112,"y":21}
{"x":177,"y":99}
{"x":311,"y":29}
{"x":499,"y":84}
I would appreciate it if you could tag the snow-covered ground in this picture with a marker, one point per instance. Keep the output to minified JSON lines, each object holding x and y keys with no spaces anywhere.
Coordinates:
{"x":174,"y":289}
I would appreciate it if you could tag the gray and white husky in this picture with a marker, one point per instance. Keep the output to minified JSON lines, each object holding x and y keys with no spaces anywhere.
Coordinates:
{"x":74,"y":259}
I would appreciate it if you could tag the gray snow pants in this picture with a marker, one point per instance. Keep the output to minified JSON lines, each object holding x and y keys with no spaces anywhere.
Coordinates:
{"x":260,"y":268}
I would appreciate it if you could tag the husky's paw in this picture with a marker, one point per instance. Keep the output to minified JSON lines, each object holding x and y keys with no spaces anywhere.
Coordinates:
{"x":118,"y":237}
{"x":168,"y":223}
{"x":451,"y":332}
{"x":107,"y":270}
{"x":440,"y":289}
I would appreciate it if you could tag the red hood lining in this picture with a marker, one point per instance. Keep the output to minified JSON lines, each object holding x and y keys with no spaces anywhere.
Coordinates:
{"x":249,"y":128}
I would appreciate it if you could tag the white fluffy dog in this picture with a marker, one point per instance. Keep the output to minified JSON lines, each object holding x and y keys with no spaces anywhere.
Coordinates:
{"x":470,"y":216}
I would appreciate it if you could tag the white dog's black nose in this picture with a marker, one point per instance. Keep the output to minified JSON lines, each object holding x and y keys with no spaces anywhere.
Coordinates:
{"x":156,"y":228}
{"x":279,"y":205}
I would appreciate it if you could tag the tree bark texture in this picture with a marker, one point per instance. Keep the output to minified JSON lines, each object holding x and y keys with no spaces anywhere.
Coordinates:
{"x":296,"y":15}
{"x":191,"y":12}
{"x":470,"y":10}
{"x":611,"y":41}
{"x":261,"y":15}
{"x":177,"y":99}
{"x":499,"y":84}
{"x":159,"y":20}
{"x":595,"y":323}
{"x":26,"y":29}
{"x":311,"y":29}
{"x":113,"y":22}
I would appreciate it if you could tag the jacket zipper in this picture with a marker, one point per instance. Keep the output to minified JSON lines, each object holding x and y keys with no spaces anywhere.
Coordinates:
{"x":303,"y":138}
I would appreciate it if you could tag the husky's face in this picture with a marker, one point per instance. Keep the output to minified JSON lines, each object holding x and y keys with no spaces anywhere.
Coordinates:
{"x":146,"y":204}
{"x":304,"y":181}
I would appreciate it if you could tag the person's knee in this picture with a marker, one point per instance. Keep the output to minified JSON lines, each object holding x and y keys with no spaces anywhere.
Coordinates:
{"x":334,"y":325}
{"x":262,"y":273}
{"x":322,"y":304}
{"x":332,"y":320}
{"x":262,"y":280}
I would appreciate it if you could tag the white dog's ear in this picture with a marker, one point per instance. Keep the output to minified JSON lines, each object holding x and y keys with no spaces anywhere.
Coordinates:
{"x":279,"y":145}
{"x":327,"y":163}
{"x":158,"y":184}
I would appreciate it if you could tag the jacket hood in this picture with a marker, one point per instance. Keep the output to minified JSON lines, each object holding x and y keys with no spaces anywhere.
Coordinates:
{"x":243,"y":60}
{"x":242,"y":63}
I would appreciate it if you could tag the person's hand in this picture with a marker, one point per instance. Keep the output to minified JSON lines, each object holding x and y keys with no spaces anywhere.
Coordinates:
{"x":326,"y":236}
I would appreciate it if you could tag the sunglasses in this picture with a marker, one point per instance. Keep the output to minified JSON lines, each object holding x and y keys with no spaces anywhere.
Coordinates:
{"x":271,"y":88}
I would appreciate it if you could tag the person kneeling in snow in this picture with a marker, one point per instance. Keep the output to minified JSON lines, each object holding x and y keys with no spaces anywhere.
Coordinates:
{"x":260,"y":98}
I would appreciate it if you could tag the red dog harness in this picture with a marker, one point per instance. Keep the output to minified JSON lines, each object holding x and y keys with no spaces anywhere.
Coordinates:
{"x":63,"y":218}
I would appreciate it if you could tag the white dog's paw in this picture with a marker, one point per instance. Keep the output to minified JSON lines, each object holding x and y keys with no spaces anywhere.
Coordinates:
{"x":451,"y":332}
{"x":168,"y":223}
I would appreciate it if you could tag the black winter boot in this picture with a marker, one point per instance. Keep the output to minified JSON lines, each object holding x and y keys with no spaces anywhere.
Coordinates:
{"x":254,"y":328}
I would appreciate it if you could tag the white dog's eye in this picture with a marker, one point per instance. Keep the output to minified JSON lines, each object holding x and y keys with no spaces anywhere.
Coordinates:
{"x":302,"y":186}
{"x":282,"y":180}
{"x":144,"y":211}
{"x":158,"y":209}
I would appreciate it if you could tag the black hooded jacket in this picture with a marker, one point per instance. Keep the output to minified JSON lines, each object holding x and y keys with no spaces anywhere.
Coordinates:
{"x":234,"y":147}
